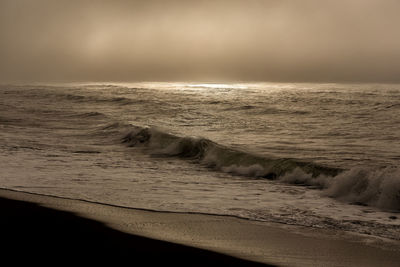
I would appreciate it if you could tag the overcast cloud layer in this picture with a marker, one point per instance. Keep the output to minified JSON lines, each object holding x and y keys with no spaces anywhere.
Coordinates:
{"x":249,"y":40}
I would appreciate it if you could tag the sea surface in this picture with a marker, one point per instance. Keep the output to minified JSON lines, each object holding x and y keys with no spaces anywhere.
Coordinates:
{"x":317,"y":155}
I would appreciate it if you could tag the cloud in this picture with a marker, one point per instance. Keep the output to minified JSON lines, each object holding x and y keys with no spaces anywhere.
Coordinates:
{"x":354,"y":40}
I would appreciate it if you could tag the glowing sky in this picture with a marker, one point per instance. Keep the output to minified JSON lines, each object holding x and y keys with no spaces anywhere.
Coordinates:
{"x":220,"y":40}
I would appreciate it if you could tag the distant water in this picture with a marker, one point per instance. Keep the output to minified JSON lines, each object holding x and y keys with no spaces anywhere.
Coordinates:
{"x":318,"y":155}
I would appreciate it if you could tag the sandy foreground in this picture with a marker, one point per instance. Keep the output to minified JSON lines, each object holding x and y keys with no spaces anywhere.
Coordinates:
{"x":41,"y":227}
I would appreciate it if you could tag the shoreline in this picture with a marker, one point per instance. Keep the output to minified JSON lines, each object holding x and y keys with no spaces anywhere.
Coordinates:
{"x":33,"y":233}
{"x":220,"y":235}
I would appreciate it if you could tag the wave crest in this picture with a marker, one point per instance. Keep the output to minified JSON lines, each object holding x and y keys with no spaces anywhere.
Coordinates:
{"x":220,"y":157}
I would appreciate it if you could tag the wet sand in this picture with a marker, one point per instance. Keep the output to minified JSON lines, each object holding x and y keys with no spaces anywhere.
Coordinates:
{"x":44,"y":229}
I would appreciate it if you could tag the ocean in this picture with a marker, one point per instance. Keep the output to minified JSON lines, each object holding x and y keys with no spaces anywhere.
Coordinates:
{"x":308,"y":154}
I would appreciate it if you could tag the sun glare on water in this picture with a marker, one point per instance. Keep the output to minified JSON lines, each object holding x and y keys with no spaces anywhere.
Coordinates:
{"x":218,"y":86}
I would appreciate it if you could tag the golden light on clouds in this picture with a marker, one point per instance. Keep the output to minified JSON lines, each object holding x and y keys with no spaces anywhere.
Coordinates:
{"x":200,"y":40}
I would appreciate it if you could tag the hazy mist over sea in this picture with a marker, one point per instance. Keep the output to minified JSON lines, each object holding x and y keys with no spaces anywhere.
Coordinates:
{"x":181,"y":40}
{"x":274,"y":111}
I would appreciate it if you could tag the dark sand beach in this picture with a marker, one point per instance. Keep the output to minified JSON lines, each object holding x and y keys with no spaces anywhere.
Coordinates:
{"x":39,"y":229}
{"x":34,"y":234}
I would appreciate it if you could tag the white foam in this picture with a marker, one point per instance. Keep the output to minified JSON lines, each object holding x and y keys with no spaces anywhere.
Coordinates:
{"x":255,"y":170}
{"x":298,"y":176}
{"x":379,"y":187}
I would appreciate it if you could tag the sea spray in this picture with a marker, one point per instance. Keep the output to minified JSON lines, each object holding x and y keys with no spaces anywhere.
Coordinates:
{"x":374,"y":187}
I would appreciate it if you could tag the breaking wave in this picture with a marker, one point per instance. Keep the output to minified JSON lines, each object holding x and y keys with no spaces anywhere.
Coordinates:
{"x":218,"y":156}
{"x":374,"y":187}
{"x":359,"y":185}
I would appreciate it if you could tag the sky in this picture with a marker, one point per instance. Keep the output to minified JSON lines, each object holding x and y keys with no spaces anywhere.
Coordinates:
{"x":185,"y":40}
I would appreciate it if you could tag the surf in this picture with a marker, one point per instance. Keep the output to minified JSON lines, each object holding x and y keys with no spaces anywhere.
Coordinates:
{"x":359,"y":185}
